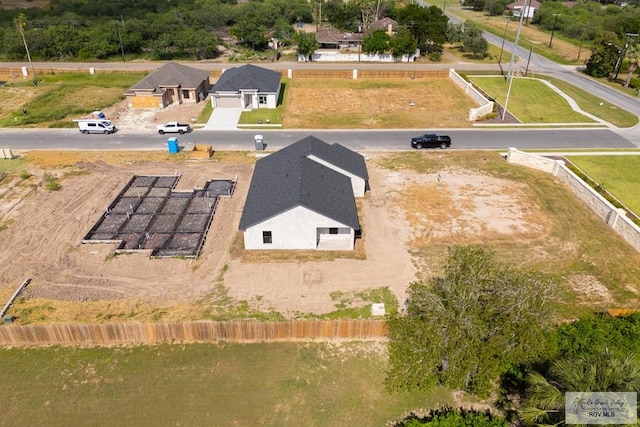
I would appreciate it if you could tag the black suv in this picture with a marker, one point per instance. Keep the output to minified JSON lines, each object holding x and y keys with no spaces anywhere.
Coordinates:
{"x":431,"y":140}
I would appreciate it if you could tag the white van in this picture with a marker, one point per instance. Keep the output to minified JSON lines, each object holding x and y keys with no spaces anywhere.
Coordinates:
{"x":96,"y":126}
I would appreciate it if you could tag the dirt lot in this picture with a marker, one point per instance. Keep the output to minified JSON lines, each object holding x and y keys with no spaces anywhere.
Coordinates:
{"x":42,"y":242}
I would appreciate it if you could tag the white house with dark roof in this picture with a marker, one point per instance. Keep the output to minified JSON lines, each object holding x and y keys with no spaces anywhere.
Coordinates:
{"x":303,"y":197}
{"x":528,"y":7}
{"x":246,"y":87}
{"x":169,"y":84}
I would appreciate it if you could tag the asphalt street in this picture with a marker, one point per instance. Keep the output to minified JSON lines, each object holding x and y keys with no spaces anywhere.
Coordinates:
{"x":365,"y":140}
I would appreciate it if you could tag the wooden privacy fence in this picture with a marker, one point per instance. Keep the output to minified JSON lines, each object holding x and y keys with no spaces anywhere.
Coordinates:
{"x":16,"y":73}
{"x":188,"y":332}
{"x":401,"y":74}
{"x":365,"y":73}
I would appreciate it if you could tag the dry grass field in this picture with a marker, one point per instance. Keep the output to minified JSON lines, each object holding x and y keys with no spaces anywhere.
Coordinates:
{"x":376,"y":104}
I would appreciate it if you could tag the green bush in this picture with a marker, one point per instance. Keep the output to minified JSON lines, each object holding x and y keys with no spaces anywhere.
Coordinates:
{"x":635,"y":83}
{"x":435,"y":56}
{"x":448,"y":417}
{"x":50,"y":182}
{"x":488,"y":116}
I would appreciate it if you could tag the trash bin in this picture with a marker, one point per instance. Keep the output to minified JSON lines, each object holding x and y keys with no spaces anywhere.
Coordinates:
{"x":173,"y":145}
{"x":259,"y":142}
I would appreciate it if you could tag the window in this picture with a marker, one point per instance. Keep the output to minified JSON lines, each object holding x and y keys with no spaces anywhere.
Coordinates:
{"x":333,"y":231}
{"x":186,"y":94}
{"x":262,"y":99}
{"x":266,"y":237}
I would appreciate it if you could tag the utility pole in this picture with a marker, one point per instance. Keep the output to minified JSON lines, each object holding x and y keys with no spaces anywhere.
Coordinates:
{"x":623,"y":53}
{"x":553,"y":30}
{"x":504,"y":36}
{"x":120,"y":40}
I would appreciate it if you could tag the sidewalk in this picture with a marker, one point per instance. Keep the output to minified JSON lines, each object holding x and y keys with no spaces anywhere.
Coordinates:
{"x":512,"y":121}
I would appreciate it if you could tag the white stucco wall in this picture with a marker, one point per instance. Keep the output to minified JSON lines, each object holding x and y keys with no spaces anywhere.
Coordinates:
{"x":293,"y":229}
{"x":272,"y":101}
{"x":614,"y":217}
{"x":331,"y":55}
{"x":485,"y":107}
{"x":357,"y":183}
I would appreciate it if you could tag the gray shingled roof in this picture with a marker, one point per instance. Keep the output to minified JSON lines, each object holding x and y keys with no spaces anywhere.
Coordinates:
{"x":172,"y":74}
{"x":248,"y":77}
{"x":287,"y":178}
{"x":333,"y":36}
{"x":383,"y":24}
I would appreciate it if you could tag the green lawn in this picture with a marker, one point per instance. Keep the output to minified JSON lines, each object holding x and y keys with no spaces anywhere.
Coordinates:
{"x":265,"y":116}
{"x":59,"y":98}
{"x":617,"y":174}
{"x":530,"y":100}
{"x":596,"y":106}
{"x":296,"y":384}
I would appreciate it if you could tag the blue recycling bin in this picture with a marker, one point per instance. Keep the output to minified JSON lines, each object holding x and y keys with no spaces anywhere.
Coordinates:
{"x":173,"y":145}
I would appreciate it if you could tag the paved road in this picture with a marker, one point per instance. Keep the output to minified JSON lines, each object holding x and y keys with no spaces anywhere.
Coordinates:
{"x":361,"y":140}
{"x":357,"y":139}
{"x":567,"y":73}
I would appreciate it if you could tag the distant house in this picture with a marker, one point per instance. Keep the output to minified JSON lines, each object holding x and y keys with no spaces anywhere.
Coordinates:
{"x":389,"y":25}
{"x":303,"y":197}
{"x":169,"y":84}
{"x":246,"y":87}
{"x":330,"y":38}
{"x":518,"y":7}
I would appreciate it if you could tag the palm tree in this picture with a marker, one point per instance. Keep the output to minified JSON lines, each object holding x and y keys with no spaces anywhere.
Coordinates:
{"x":20,"y":22}
{"x":633,"y":53}
{"x":600,"y":372}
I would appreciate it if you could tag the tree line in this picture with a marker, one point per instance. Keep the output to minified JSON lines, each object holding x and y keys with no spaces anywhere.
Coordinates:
{"x":488,"y":328}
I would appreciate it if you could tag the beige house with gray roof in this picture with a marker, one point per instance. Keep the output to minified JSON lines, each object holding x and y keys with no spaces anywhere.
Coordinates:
{"x":169,"y":84}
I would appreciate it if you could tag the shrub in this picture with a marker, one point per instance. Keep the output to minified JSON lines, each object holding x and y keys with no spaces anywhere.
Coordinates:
{"x":435,"y":56}
{"x":50,"y":182}
{"x":448,"y":417}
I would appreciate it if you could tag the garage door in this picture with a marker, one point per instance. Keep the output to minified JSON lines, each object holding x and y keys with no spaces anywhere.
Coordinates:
{"x":145,"y":102}
{"x":228,"y":102}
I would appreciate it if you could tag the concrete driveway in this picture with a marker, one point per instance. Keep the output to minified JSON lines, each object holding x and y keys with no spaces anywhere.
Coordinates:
{"x":224,"y":119}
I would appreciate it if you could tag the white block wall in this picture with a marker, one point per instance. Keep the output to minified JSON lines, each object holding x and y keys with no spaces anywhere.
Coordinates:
{"x":293,"y":229}
{"x":614,"y":217}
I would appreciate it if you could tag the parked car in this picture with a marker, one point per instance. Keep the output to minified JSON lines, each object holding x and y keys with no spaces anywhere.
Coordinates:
{"x":173,"y":127}
{"x":431,"y":140}
{"x":95,"y":126}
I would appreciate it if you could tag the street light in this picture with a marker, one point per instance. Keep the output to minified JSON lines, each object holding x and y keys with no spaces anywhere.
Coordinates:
{"x":507,"y":19}
{"x":513,"y":57}
{"x":553,"y":30}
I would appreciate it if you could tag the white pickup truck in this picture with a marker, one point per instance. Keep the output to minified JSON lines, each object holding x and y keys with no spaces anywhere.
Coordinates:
{"x":173,"y":127}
